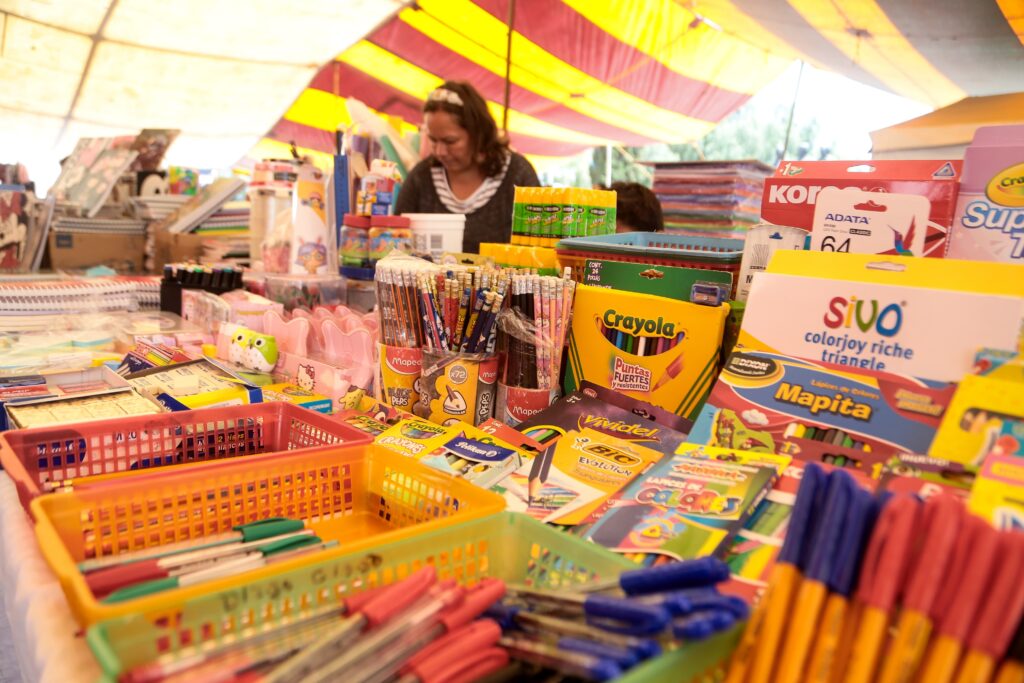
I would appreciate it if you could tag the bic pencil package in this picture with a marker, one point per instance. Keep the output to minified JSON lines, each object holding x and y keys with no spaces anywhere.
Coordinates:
{"x":573,"y":476}
{"x":818,"y":412}
{"x":654,"y":349}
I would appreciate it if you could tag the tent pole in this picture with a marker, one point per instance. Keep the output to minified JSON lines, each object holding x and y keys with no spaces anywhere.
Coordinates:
{"x":792,"y":110}
{"x":508,"y":64}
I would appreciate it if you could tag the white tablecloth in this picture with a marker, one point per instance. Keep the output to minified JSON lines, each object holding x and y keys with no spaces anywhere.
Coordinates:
{"x":38,"y":635}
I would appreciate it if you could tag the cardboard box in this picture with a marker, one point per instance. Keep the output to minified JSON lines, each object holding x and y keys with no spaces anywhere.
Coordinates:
{"x":81,"y":250}
{"x":173,"y":247}
{"x":791,"y":194}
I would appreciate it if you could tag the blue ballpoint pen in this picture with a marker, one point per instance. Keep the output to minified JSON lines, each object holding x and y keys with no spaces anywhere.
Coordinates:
{"x":618,"y":615}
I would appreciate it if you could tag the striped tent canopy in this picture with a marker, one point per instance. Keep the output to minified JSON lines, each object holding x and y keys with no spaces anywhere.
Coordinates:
{"x":595,"y":72}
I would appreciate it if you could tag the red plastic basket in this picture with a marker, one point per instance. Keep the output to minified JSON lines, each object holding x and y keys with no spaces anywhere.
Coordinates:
{"x":47,"y":459}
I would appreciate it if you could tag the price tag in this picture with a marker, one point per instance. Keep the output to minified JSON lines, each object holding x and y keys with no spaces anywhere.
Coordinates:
{"x":854,"y":221}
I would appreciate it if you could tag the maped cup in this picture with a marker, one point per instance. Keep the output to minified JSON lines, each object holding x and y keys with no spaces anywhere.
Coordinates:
{"x":400,"y":376}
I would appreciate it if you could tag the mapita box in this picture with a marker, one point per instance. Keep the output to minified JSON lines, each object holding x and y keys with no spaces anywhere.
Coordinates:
{"x":654,"y":349}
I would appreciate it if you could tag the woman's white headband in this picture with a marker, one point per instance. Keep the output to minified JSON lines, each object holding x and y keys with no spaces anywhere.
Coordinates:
{"x":445,"y":95}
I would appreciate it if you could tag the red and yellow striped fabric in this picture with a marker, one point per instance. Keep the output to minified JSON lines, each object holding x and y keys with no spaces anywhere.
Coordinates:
{"x":594,"y":72}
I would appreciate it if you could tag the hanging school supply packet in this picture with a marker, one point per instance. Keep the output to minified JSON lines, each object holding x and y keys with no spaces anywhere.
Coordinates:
{"x":923,"y":318}
{"x":818,"y":412}
{"x":684,"y":506}
{"x":655,"y":349}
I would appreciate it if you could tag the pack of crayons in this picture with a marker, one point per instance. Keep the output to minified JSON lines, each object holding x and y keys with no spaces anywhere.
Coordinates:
{"x":654,"y":349}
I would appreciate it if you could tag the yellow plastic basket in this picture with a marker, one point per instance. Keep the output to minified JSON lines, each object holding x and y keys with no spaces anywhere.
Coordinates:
{"x":510,"y":546}
{"x":359,"y":495}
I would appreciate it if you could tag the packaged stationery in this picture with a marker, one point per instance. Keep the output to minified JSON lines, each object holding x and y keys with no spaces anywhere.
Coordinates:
{"x":683,"y":507}
{"x":571,"y":478}
{"x":655,"y":349}
{"x":998,"y":493}
{"x":985,"y":419}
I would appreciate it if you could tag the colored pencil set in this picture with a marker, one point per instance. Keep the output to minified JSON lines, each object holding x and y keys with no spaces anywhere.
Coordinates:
{"x":639,"y":345}
{"x":533,"y":338}
{"x":836,"y":437}
{"x":892,"y":589}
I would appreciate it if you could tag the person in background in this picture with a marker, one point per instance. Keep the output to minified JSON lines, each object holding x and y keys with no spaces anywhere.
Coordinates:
{"x":637,"y":209}
{"x":470,"y":169}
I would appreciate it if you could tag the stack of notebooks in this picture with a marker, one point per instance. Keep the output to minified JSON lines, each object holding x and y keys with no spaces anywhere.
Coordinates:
{"x":114,"y":226}
{"x":230,"y":219}
{"x":159,"y":206}
{"x":710,"y":198}
{"x":92,"y":295}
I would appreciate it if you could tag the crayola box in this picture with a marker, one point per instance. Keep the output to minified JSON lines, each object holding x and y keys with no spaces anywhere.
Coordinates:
{"x":682,"y":507}
{"x":910,"y":321}
{"x":989,"y":222}
{"x":985,"y":418}
{"x":816,"y":412}
{"x":997,"y":364}
{"x":414,"y":437}
{"x":998,"y":493}
{"x":651,"y":348}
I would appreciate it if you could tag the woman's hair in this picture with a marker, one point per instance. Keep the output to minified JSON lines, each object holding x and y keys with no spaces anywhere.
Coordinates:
{"x":467,"y":107}
{"x":637,"y":207}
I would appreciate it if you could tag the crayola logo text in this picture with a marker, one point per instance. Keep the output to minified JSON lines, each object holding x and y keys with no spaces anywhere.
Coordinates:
{"x":865,"y":314}
{"x":635,"y":325}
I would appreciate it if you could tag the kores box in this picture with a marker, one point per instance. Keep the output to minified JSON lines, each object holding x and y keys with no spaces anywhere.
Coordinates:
{"x":791,"y":194}
{"x":655,"y":349}
{"x":919,"y":317}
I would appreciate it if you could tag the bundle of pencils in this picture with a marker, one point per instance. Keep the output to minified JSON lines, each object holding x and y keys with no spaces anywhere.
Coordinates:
{"x":891,"y":590}
{"x":460,"y":307}
{"x":535,"y":337}
{"x":398,"y":302}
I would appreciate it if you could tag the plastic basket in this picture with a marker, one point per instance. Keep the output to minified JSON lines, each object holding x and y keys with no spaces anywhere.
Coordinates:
{"x":654,"y":248}
{"x":510,"y":546}
{"x":358,"y":495}
{"x":50,"y":458}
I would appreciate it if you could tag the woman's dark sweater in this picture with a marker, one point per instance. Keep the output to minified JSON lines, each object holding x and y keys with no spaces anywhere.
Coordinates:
{"x":490,"y":223}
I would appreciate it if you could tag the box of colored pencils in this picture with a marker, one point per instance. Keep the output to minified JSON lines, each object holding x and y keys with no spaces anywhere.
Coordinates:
{"x":818,"y":412}
{"x":655,"y":349}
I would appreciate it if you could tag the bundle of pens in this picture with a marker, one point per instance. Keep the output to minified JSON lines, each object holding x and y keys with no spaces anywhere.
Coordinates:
{"x":398,"y":301}
{"x":132,"y":575}
{"x":534,"y":330}
{"x":418,"y":629}
{"x":604,"y":630}
{"x":891,"y":590}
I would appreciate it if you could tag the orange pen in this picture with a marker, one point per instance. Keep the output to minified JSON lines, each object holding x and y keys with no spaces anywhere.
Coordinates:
{"x":942,"y":517}
{"x":999,"y":615}
{"x":860,"y":520}
{"x":754,"y":656}
{"x":1012,"y":670}
{"x":885,"y":568}
{"x":803,"y":620}
{"x":962,"y":594}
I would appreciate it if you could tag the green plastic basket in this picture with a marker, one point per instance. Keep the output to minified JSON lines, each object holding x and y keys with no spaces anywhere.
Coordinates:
{"x":508,"y":546}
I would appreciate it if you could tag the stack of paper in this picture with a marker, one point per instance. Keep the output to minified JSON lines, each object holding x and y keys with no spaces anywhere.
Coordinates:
{"x":710,"y":198}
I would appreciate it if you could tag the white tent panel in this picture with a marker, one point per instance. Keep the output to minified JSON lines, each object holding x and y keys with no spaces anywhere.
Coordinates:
{"x":221,"y":71}
{"x":41,"y":67}
{"x":80,"y":16}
